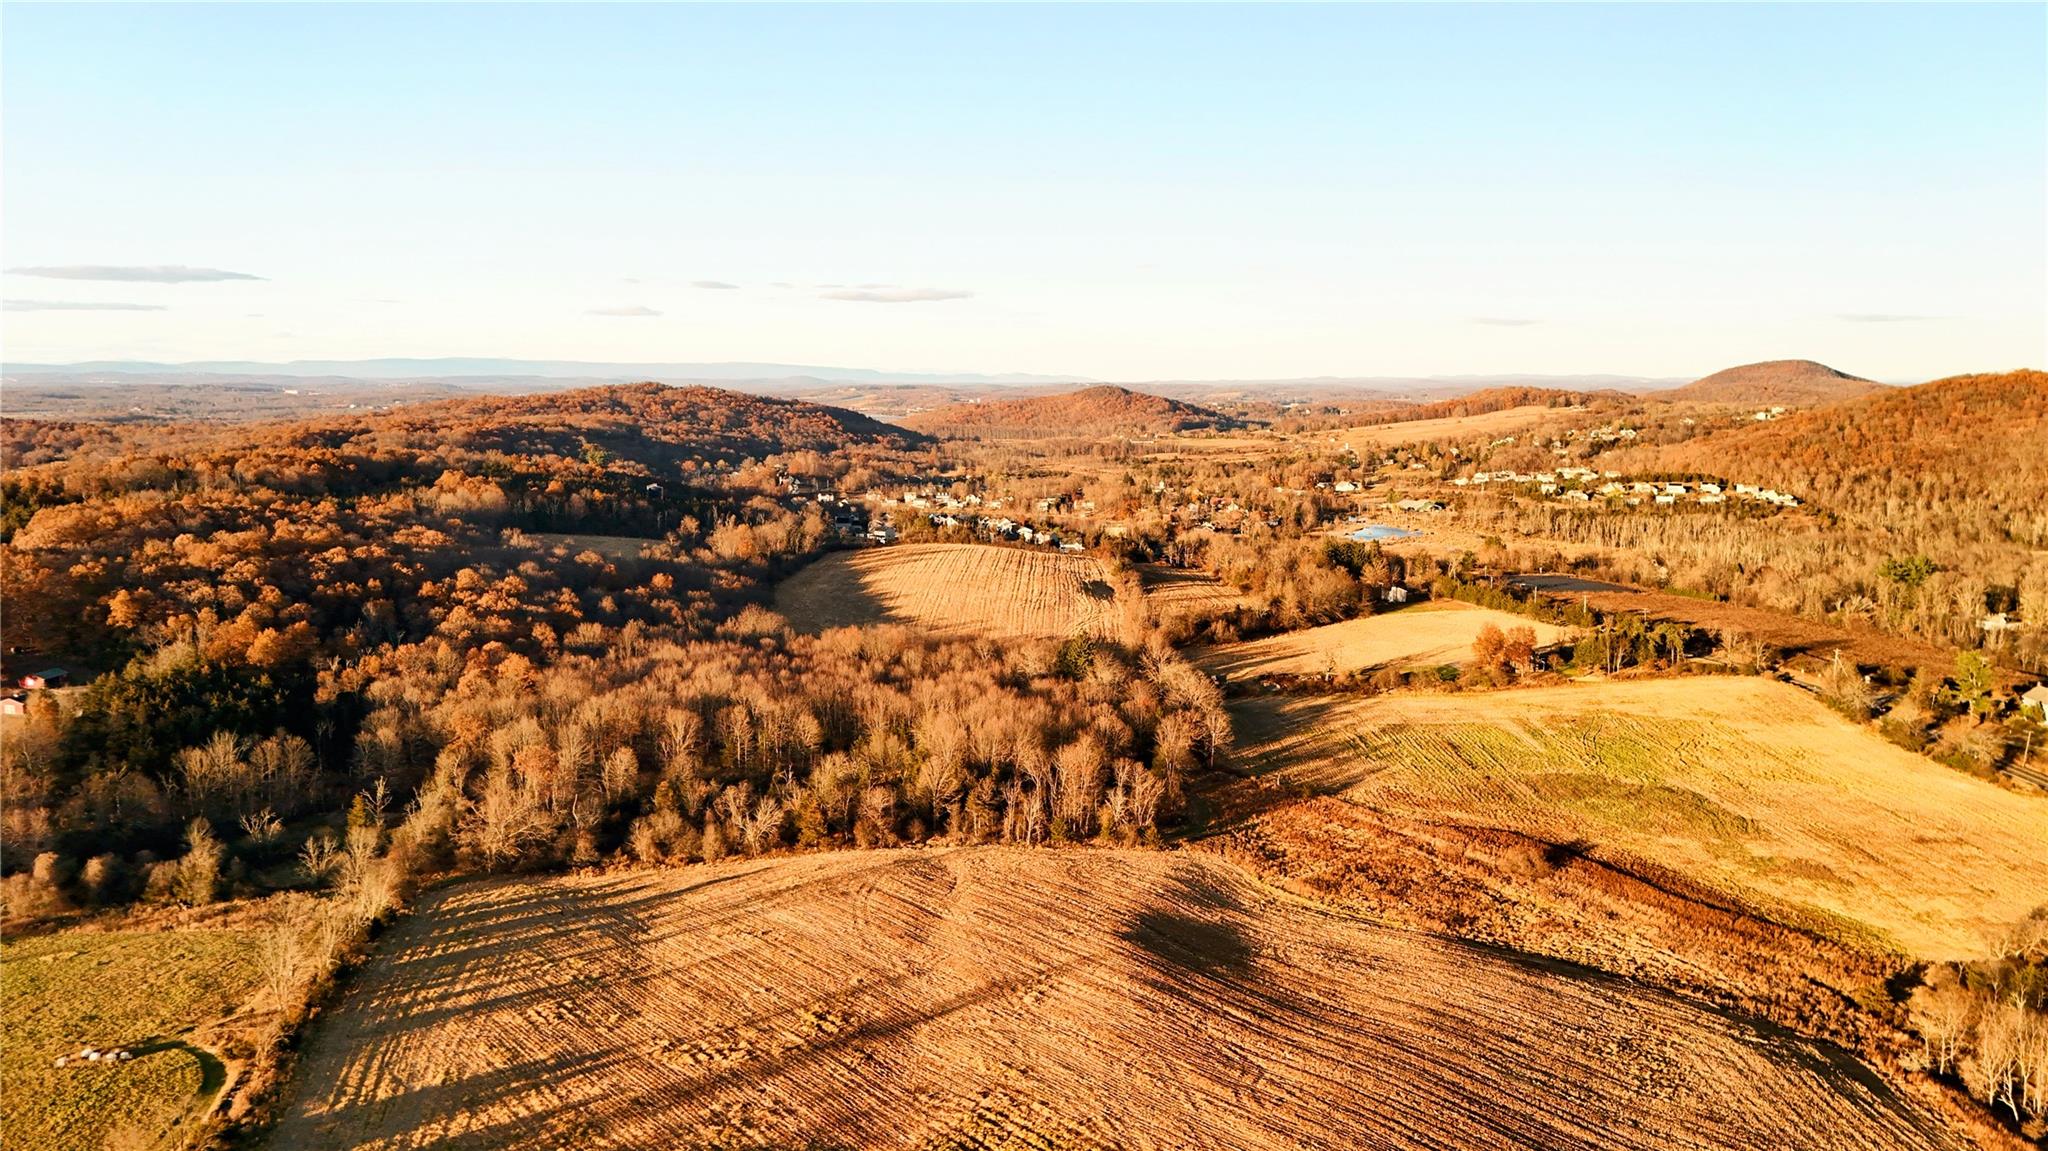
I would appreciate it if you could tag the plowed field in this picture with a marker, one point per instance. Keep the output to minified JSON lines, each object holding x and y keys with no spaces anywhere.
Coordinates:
{"x":997,"y":998}
{"x":956,"y":589}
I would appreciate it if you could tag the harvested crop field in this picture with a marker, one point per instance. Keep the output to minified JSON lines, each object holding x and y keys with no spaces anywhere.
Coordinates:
{"x":149,"y":993}
{"x":956,"y":589}
{"x":1745,"y":785}
{"x":1002,"y":997}
{"x":1424,"y":635}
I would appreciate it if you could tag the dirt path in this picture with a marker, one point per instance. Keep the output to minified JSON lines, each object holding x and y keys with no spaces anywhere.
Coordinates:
{"x":993,"y":997}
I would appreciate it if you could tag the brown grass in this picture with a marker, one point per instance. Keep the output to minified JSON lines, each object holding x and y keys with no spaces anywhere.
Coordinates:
{"x":956,"y":589}
{"x":1419,"y":636}
{"x":1745,"y":785}
{"x":942,"y":999}
{"x":1507,"y":421}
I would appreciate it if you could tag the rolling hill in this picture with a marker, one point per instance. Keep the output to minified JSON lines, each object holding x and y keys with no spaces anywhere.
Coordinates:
{"x":654,"y":424}
{"x":1801,"y":383}
{"x":1102,"y":410}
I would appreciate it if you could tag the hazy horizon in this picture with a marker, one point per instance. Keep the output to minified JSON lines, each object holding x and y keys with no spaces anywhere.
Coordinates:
{"x":1356,"y":192}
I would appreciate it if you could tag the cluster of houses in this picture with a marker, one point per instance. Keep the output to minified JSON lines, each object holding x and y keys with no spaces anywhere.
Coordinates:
{"x":1576,"y":485}
{"x":943,"y":509}
{"x":993,"y":529}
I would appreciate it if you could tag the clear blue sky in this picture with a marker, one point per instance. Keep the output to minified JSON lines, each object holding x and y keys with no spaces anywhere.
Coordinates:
{"x":1119,"y":193}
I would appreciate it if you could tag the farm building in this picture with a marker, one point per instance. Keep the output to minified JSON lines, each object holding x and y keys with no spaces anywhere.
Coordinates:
{"x":46,"y":678}
{"x":13,"y":703}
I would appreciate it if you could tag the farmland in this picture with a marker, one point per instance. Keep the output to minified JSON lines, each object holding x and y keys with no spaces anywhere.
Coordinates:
{"x":1426,"y":634}
{"x":972,"y":590}
{"x":952,"y":998}
{"x":1745,"y":785}
{"x":1507,"y":421}
{"x":153,"y":993}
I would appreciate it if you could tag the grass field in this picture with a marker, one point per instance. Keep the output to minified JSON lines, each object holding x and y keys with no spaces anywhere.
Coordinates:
{"x":1423,"y":635}
{"x":956,"y":589}
{"x":1746,"y":785}
{"x":957,"y":999}
{"x":145,"y":991}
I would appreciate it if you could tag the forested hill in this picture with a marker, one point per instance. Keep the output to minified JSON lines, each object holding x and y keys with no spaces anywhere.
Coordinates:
{"x":1789,"y":383}
{"x":650,"y":423}
{"x":119,"y":537}
{"x":632,"y":419}
{"x":1487,"y":400}
{"x":1104,"y":410}
{"x":1953,"y":470}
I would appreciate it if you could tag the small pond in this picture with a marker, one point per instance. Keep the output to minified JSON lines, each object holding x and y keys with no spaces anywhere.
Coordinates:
{"x":1371,"y":532}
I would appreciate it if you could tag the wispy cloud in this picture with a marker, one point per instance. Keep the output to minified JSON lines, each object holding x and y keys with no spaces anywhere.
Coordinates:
{"x":133,"y":274}
{"x":1881,"y":318}
{"x":714,"y":285}
{"x":884,"y":295}
{"x":76,"y":306}
{"x":1505,"y":321}
{"x":624,"y":310}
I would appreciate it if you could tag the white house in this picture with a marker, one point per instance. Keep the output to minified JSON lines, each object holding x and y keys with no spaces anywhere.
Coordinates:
{"x":2035,"y":700}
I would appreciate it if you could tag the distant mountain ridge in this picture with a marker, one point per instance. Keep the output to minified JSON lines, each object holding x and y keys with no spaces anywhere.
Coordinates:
{"x":1101,"y":410}
{"x":1787,"y":382}
{"x":458,"y":366}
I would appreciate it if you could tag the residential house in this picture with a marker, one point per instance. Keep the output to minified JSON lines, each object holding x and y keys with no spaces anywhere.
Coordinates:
{"x":2035,"y":700}
{"x":47,"y":678}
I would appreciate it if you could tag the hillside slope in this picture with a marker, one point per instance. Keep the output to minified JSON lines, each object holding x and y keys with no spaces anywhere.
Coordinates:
{"x":1791,"y":383}
{"x":958,"y":998}
{"x":1104,"y":410}
{"x":1973,"y":448}
{"x":648,"y":423}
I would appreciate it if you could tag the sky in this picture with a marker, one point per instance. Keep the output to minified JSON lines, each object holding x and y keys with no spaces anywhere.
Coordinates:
{"x":1121,"y":193}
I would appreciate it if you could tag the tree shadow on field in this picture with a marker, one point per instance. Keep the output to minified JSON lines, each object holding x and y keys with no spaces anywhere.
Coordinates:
{"x":1098,"y":589}
{"x":1173,"y":939}
{"x":1192,"y":927}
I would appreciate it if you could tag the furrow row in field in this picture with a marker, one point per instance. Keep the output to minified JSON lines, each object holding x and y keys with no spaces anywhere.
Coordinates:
{"x":992,"y":997}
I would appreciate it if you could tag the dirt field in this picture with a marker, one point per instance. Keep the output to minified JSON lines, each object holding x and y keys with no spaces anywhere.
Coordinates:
{"x":955,"y":589}
{"x":1506,"y":422}
{"x":1745,"y":785}
{"x":956,"y":999}
{"x":145,"y":992}
{"x":1422,"y":635}
{"x":1183,"y":592}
